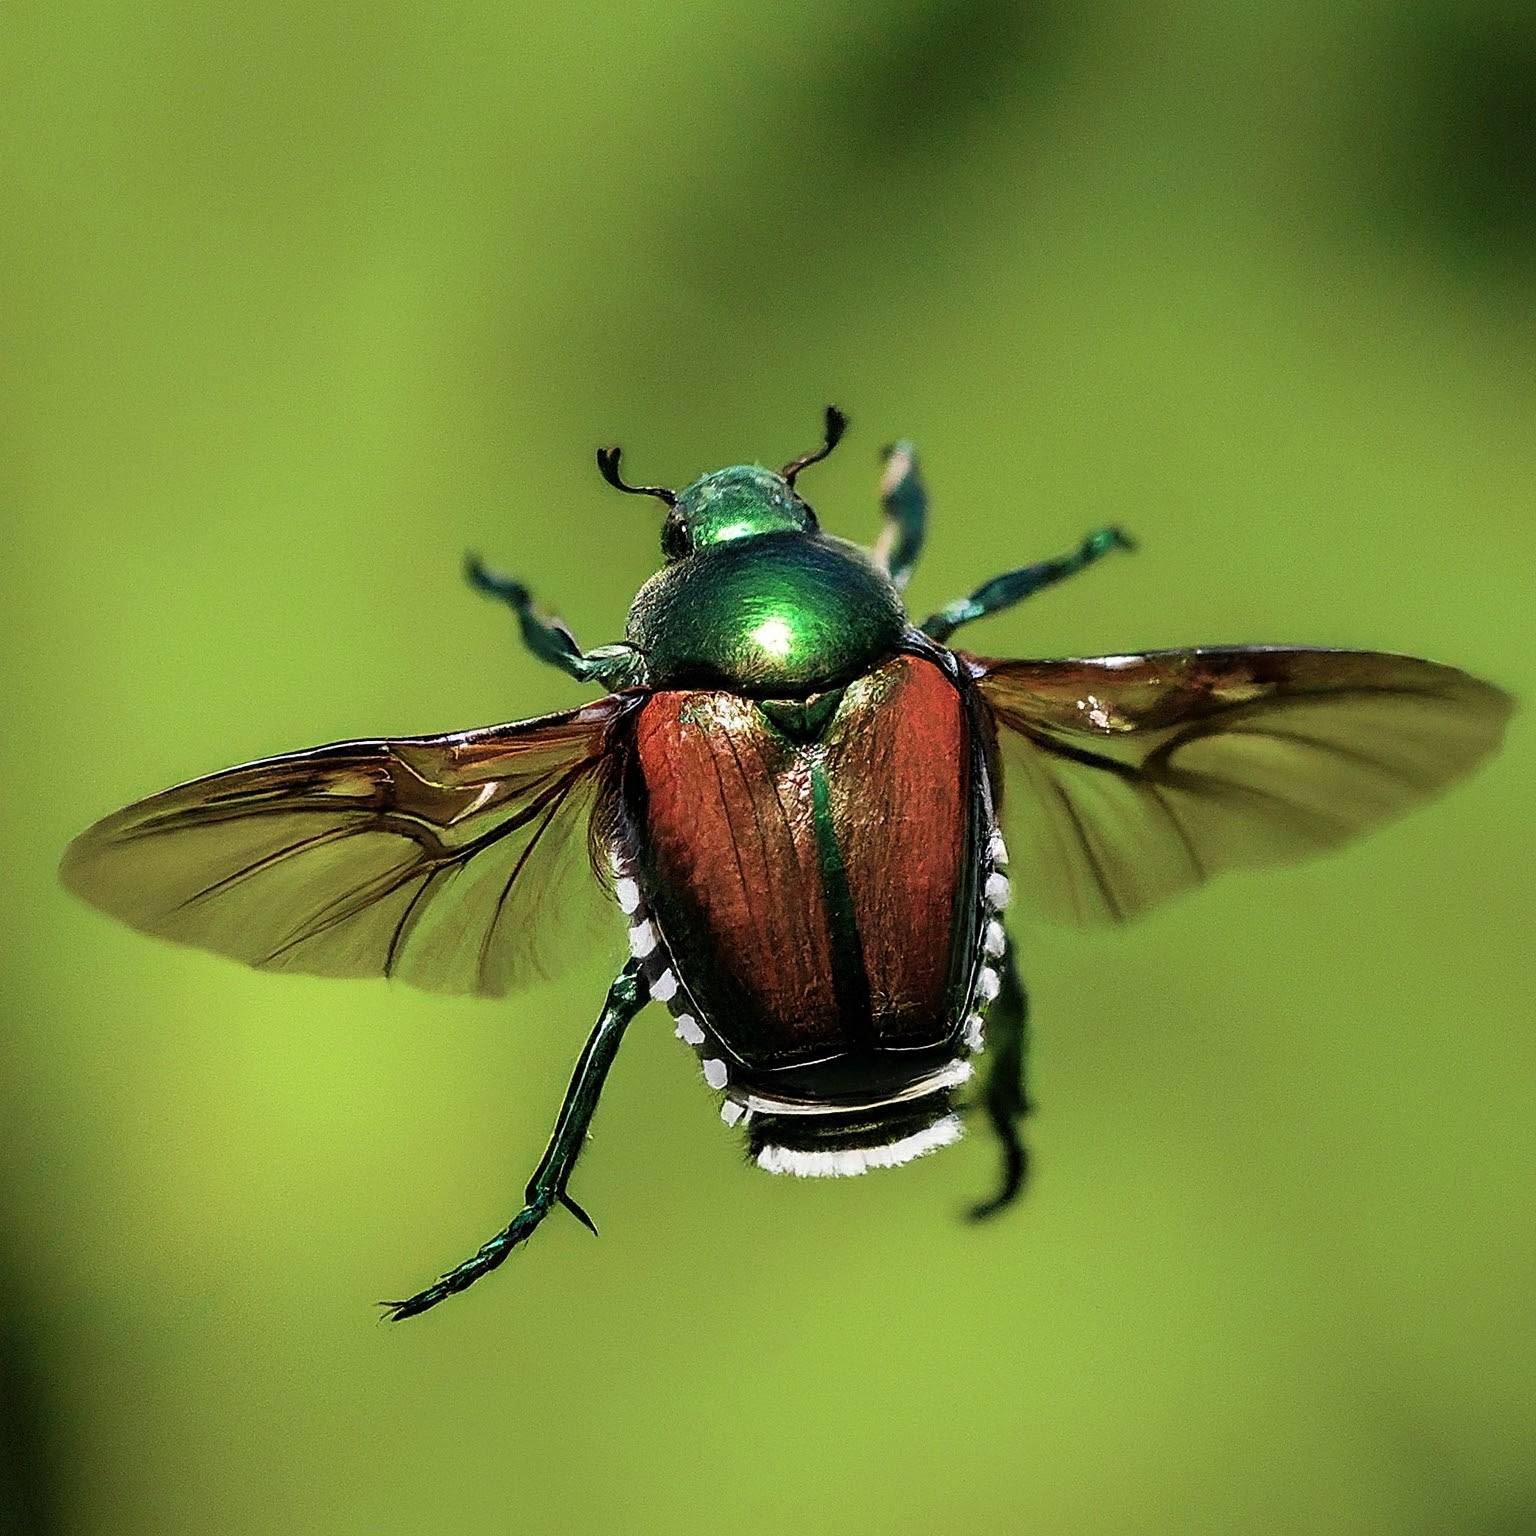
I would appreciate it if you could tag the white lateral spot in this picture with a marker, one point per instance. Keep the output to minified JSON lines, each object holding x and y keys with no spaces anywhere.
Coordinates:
{"x":975,"y":1040}
{"x":988,"y":984}
{"x":642,"y":939}
{"x":688,"y":1029}
{"x":996,"y":891}
{"x":731,"y":1111}
{"x":664,"y":988}
{"x":627,"y":894}
{"x":994,"y":941}
{"x":716,"y":1073}
{"x":953,"y":1075}
{"x":844,"y":1162}
{"x":997,"y":849}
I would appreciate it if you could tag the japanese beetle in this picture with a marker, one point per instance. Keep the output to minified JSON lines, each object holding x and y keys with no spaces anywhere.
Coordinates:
{"x":793,"y":794}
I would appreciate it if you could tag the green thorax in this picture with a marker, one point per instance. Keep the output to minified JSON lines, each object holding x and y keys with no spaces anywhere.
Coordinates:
{"x":756,"y":599}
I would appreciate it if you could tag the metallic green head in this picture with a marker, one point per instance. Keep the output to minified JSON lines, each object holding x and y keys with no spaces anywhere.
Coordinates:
{"x":743,"y":502}
{"x":738,"y":503}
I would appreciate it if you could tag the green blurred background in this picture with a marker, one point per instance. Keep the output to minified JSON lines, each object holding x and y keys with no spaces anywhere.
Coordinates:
{"x":299,"y":302}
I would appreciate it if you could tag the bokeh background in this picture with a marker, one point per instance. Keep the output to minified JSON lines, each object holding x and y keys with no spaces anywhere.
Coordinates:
{"x":298,"y":302}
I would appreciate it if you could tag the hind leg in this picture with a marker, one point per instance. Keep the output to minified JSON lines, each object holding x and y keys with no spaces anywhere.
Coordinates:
{"x":1004,"y":1098}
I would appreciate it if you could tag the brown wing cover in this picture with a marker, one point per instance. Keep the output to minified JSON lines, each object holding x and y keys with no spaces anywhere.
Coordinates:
{"x":739,"y":879}
{"x":901,"y":805}
{"x":729,"y":844}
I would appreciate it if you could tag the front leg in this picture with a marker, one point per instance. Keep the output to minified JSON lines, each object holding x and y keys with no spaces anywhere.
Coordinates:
{"x":905,"y":504}
{"x":626,"y":997}
{"x":612,"y":666}
{"x":1004,"y":1098}
{"x":1013,"y":586}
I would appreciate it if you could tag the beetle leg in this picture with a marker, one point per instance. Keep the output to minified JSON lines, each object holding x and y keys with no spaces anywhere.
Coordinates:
{"x":628,"y":994}
{"x":1005,"y":1100}
{"x":613,"y":666}
{"x":1013,"y":586}
{"x":905,"y":503}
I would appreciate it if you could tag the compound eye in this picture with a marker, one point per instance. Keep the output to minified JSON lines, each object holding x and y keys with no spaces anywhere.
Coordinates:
{"x":675,"y":543}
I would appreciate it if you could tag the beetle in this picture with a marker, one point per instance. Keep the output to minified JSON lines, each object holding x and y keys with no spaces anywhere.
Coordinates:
{"x":796,"y":798}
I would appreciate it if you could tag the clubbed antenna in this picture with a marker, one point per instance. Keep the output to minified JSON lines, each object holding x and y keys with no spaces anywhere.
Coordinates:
{"x":608,"y":463}
{"x":837,"y":424}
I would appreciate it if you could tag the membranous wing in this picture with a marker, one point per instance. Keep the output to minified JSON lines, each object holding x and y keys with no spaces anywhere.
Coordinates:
{"x":456,"y":863}
{"x":1132,"y":778}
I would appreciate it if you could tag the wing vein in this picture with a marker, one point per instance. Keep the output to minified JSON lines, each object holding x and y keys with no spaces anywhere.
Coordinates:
{"x":1095,"y":865}
{"x":264,"y":863}
{"x":554,"y":801}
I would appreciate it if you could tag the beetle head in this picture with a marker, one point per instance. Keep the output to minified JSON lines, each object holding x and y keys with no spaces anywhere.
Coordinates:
{"x":743,"y":502}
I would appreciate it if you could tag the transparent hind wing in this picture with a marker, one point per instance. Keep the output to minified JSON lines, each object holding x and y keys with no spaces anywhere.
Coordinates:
{"x":1131,"y":778}
{"x":456,"y":863}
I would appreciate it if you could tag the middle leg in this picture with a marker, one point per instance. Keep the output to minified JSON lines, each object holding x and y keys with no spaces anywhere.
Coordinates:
{"x":626,"y":997}
{"x":1014,"y":586}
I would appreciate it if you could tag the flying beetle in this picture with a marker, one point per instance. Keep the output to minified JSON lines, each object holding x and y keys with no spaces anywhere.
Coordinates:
{"x":796,"y":797}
